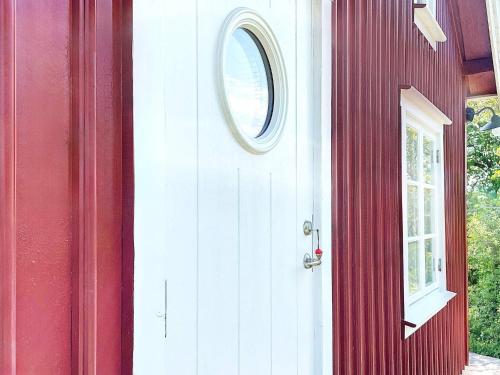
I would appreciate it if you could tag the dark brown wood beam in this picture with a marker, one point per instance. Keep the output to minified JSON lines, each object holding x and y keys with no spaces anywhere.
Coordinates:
{"x":478,"y":66}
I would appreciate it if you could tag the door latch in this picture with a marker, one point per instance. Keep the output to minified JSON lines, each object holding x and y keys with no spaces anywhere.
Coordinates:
{"x":310,"y":262}
{"x":312,"y":259}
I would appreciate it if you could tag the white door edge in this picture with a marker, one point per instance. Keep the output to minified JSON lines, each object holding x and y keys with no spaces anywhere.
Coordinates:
{"x":323,"y":193}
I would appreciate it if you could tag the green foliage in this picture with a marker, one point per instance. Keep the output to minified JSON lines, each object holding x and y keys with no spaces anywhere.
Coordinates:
{"x":483,"y":237}
{"x":483,"y":151}
{"x":483,"y":234}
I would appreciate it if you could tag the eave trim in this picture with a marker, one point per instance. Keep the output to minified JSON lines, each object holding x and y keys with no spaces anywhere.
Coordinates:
{"x":493,"y":10}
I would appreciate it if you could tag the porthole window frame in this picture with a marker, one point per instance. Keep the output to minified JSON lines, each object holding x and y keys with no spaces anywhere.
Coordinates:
{"x":248,"y":19}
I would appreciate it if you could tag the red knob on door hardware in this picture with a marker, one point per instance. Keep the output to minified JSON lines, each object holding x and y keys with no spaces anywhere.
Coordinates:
{"x":318,"y":252}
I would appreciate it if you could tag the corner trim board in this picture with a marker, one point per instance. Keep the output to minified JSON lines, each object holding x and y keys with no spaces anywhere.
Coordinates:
{"x":7,"y":189}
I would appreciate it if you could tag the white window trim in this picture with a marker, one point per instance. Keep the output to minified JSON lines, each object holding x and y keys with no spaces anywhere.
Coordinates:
{"x":418,"y":111}
{"x":493,"y":10}
{"x":250,"y":20}
{"x":426,"y":21}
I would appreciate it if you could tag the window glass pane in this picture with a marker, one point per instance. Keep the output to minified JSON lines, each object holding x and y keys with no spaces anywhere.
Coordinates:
{"x":428,"y":160}
{"x":412,"y":211}
{"x":413,"y":267}
{"x":429,"y":262}
{"x":248,"y":83}
{"x":429,"y":211}
{"x":432,"y":6}
{"x":411,"y":153}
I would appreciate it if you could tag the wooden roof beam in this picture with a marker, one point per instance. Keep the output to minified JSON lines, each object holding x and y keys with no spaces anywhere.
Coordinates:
{"x":478,"y":66}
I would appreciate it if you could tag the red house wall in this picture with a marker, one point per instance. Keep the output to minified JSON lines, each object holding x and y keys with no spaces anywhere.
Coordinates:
{"x":36,"y":194}
{"x":377,"y":48}
{"x":65,"y":187}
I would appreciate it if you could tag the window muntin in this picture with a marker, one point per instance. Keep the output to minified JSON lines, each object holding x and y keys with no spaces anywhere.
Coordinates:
{"x":423,"y":184}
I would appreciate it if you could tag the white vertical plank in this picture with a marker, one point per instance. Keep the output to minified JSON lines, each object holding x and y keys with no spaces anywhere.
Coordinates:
{"x":179,"y":42}
{"x":284,"y":272}
{"x":256,"y":281}
{"x":165,"y":126}
{"x":307,"y":280}
{"x":149,"y":140}
{"x":218,"y":273}
{"x":322,"y":13}
{"x":286,"y":259}
{"x":218,"y":208}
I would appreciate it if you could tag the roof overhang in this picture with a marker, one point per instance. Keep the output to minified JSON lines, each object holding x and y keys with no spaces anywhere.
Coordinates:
{"x":471,"y":27}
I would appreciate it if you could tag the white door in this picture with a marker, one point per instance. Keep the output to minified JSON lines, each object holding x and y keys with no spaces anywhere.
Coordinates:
{"x":224,"y":178}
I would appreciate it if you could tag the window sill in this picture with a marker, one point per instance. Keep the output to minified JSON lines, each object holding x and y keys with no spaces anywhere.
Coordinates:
{"x":428,"y":25}
{"x":418,"y":313}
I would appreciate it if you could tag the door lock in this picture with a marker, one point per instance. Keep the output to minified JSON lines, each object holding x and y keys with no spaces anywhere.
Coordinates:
{"x":312,"y":259}
{"x":310,"y":262}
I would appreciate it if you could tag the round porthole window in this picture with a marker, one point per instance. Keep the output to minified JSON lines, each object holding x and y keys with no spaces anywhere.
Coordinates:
{"x":253,"y":81}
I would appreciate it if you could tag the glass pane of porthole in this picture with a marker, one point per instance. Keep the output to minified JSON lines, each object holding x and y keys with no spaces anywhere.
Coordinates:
{"x":413,"y":267}
{"x":429,"y":211}
{"x":411,"y":153}
{"x":248,"y":83}
{"x":428,"y":160}
{"x":412,"y":211}
{"x":429,"y":262}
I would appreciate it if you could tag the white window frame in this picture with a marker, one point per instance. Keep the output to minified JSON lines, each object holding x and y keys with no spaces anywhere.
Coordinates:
{"x":493,"y":10}
{"x":425,"y":18}
{"x":419,"y":113}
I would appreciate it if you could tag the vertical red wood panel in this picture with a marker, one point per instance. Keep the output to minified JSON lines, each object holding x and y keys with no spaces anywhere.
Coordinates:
{"x":107,"y":177}
{"x":376,"y":49}
{"x":128,"y":192}
{"x":78,"y":116}
{"x":65,"y":95}
{"x":36,"y":187}
{"x":102,"y":84}
{"x":7,"y":189}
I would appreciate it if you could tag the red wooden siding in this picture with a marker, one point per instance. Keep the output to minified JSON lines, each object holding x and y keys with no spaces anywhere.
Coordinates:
{"x":377,"y":48}
{"x":98,"y":94}
{"x":127,"y":344}
{"x":36,"y":171}
{"x":65,"y":96}
{"x":7,"y":232}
